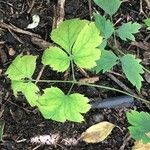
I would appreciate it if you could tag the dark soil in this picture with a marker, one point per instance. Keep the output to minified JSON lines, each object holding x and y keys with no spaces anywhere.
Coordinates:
{"x":24,"y":122}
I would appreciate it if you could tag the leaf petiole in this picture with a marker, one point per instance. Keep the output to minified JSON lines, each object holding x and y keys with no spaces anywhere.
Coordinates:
{"x":94,"y":85}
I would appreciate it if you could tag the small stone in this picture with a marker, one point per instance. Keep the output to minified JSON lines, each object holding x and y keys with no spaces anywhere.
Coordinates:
{"x":98,"y":118}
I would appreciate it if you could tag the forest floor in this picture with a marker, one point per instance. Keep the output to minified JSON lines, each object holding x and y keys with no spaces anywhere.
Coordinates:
{"x":23,"y":122}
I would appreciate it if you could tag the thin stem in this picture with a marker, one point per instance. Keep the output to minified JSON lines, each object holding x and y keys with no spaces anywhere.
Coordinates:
{"x":94,"y":85}
{"x":70,"y":89}
{"x":73,"y":74}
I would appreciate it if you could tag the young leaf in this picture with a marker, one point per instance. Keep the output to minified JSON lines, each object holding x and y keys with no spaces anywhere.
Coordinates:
{"x":55,"y":105}
{"x":105,"y":26}
{"x":30,"y":91}
{"x":140,"y":128}
{"x":82,"y":50}
{"x":132,"y":69}
{"x":109,"y":6}
{"x":127,"y":30}
{"x":98,"y":132}
{"x":22,"y":67}
{"x":56,"y":58}
{"x":106,"y":62}
{"x":147,"y":22}
{"x":67,"y":32}
{"x":85,"y":51}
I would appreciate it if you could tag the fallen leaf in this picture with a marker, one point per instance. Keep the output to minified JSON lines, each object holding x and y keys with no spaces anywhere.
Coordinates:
{"x":98,"y":132}
{"x":89,"y":80}
{"x":138,"y":145}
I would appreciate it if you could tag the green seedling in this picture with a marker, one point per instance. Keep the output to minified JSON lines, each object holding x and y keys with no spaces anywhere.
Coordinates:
{"x":76,"y":44}
{"x":130,"y":65}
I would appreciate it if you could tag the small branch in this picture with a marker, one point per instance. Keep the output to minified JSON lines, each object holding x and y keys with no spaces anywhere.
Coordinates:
{"x":119,"y":83}
{"x":16,"y":29}
{"x":148,"y":3}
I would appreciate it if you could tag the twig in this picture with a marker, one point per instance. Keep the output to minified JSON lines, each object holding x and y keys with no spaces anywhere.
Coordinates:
{"x":122,"y":85}
{"x":15,"y":36}
{"x":16,"y":29}
{"x":148,"y":3}
{"x":32,"y":5}
{"x":60,"y":13}
{"x":90,"y":8}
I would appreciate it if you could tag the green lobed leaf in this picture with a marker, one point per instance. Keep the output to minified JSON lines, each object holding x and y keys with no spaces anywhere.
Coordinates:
{"x":56,"y":58}
{"x":105,"y":26}
{"x":127,"y":30}
{"x":106,"y":62}
{"x":67,"y":32}
{"x":85,"y":51}
{"x":132,"y":69}
{"x":140,"y":128}
{"x":147,"y":22}
{"x":55,"y":105}
{"x":30,"y":91}
{"x":22,"y":67}
{"x":109,"y":6}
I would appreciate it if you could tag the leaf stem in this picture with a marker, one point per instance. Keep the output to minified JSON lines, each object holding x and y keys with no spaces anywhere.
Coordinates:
{"x":72,"y":68}
{"x":94,"y":85}
{"x":70,"y":89}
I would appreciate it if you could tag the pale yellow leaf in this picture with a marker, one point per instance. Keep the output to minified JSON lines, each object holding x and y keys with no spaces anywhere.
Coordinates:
{"x":139,"y":145}
{"x":148,"y":134}
{"x":97,"y":132}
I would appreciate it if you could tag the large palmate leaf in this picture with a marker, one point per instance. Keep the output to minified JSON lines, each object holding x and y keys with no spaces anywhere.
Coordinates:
{"x":132,"y":69}
{"x":127,"y":30}
{"x":109,"y":6}
{"x":140,"y":129}
{"x":22,"y":67}
{"x":105,"y":26}
{"x":29,"y":89}
{"x":67,"y":32}
{"x":56,"y":58}
{"x":106,"y":62}
{"x":55,"y":105}
{"x":85,"y":51}
{"x":81,"y":46}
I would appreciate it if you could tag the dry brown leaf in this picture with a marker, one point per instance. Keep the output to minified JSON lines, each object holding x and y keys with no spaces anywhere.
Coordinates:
{"x":89,"y":80}
{"x":138,"y":145}
{"x":97,"y":132}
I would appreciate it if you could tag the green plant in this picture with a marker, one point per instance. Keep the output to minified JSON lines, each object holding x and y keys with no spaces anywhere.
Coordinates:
{"x":78,"y":41}
{"x":130,"y":65}
{"x":140,"y":125}
{"x":76,"y":45}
